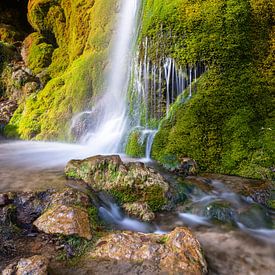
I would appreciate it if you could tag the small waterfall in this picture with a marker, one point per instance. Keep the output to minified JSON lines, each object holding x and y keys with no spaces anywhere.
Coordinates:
{"x":155,"y":87}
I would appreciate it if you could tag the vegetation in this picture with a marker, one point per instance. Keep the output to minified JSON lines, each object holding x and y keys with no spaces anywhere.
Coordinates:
{"x":70,"y":46}
{"x":228,"y":125}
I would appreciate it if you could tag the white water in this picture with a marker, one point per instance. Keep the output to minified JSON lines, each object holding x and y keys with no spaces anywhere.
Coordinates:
{"x":111,"y":109}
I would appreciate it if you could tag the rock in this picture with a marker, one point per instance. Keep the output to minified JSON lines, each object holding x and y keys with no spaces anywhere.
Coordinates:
{"x":175,"y":253}
{"x":7,"y":108}
{"x":30,"y":88}
{"x":36,"y":265}
{"x":4,"y":199}
{"x":66,"y":220}
{"x":220,"y":211}
{"x":128,"y":183}
{"x":139,"y":210}
{"x":188,"y":167}
{"x":29,"y":206}
{"x":7,"y":215}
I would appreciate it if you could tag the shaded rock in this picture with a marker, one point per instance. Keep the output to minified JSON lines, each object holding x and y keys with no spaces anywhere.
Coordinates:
{"x":128,"y":183}
{"x":36,"y":265}
{"x":220,"y":211}
{"x":7,"y":215}
{"x":139,"y":210}
{"x":70,"y":197}
{"x":66,"y":220}
{"x":175,"y":253}
{"x":7,"y":108}
{"x":29,"y":206}
{"x":188,"y":167}
{"x":4,"y":199}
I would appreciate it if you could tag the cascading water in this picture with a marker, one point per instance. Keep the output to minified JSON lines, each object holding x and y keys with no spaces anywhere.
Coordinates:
{"x":155,"y":87}
{"x":110,"y":112}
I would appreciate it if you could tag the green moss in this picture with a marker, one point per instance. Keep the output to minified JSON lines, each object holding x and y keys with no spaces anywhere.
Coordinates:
{"x":74,"y":52}
{"x":228,"y":125}
{"x":124,"y":195}
{"x":135,"y":146}
{"x":154,"y":196}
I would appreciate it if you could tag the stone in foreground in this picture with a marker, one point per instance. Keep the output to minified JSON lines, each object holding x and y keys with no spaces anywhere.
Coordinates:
{"x":66,"y":220}
{"x":130,"y":183}
{"x":175,"y":253}
{"x":36,"y":265}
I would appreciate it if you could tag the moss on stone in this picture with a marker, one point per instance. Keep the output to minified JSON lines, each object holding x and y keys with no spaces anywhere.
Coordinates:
{"x":77,"y":36}
{"x":228,"y":125}
{"x":135,"y":146}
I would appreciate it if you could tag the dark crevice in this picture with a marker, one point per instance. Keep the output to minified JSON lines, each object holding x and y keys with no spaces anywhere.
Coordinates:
{"x":14,"y":13}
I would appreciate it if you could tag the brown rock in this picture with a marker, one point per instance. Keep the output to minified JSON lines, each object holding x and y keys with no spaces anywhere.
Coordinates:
{"x":36,"y":265}
{"x":66,"y":220}
{"x":175,"y":253}
{"x":139,"y":210}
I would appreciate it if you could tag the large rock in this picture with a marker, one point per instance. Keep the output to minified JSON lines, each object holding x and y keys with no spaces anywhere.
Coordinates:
{"x":127,"y":182}
{"x":175,"y":253}
{"x":36,"y":265}
{"x":66,"y":220}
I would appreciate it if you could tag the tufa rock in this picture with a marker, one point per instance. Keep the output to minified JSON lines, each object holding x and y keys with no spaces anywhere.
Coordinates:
{"x":66,"y":220}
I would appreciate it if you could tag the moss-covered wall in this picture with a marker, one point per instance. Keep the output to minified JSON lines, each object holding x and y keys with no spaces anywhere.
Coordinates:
{"x":228,"y":126}
{"x":68,"y":52}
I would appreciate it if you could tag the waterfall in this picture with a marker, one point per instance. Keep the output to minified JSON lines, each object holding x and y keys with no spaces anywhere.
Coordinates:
{"x":109,"y":115}
{"x":155,"y":87}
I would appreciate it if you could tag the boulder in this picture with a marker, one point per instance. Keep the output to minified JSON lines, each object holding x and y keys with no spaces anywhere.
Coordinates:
{"x":127,"y":182}
{"x":37,"y":265}
{"x":66,"y":220}
{"x":175,"y":253}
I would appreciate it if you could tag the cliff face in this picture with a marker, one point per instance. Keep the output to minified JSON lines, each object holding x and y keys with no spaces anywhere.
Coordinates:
{"x":228,"y":125}
{"x":67,"y":52}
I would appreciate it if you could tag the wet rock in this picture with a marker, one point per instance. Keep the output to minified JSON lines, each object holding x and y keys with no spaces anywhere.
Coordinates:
{"x":66,"y":220}
{"x":188,"y":167}
{"x":128,"y":183}
{"x":139,"y":210}
{"x":36,"y":265}
{"x":255,"y":216}
{"x":258,"y":190}
{"x":220,"y":211}
{"x":175,"y":253}
{"x":7,"y":215}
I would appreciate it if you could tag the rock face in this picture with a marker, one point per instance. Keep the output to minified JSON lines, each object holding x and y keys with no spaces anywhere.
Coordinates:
{"x":65,"y":220}
{"x":175,"y":253}
{"x":128,"y":183}
{"x":36,"y":265}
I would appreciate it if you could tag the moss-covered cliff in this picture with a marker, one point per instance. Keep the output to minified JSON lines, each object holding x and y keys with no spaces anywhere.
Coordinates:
{"x":67,"y":52}
{"x":228,"y":126}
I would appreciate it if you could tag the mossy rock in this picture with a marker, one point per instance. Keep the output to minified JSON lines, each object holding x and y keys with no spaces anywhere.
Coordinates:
{"x":136,"y":144}
{"x":132,"y":183}
{"x":221,"y":212}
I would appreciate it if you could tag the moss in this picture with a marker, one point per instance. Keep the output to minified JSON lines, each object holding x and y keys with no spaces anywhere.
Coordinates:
{"x":135,"y":146}
{"x":74,"y":52}
{"x":228,"y":125}
{"x":154,"y":196}
{"x":124,"y":195}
